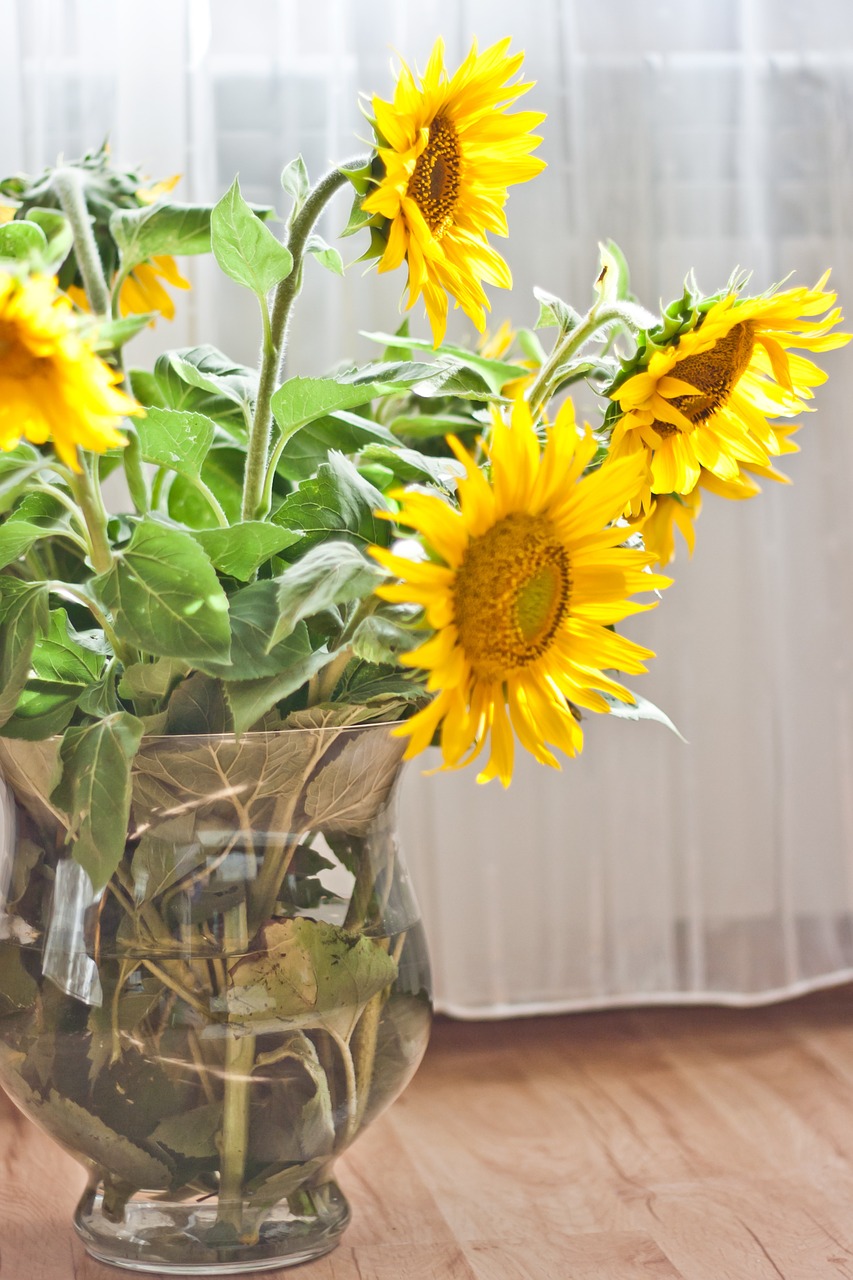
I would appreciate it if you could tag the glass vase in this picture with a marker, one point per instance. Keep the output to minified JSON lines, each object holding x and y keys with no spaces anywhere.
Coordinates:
{"x":212,"y":1028}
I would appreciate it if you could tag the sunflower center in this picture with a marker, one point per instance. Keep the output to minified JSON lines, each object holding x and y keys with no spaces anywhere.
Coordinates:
{"x":511,"y":595}
{"x":713,"y":373}
{"x":434,"y":185}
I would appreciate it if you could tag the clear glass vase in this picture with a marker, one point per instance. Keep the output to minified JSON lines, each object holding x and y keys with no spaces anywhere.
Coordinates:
{"x":209,"y":1031}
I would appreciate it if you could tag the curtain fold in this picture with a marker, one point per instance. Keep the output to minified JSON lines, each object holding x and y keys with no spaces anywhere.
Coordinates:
{"x":706,"y":136}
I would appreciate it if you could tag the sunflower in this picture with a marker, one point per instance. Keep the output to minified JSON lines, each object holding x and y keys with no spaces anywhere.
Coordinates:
{"x":449,"y":151}
{"x":52,"y":385}
{"x":523,"y":585}
{"x":703,"y":402}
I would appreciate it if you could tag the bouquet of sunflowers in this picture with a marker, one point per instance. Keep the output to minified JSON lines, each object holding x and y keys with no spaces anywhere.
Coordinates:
{"x":430,"y":539}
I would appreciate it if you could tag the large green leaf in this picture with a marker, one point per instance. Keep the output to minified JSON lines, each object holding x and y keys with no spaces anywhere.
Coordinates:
{"x":163,"y":228}
{"x":338,"y":500}
{"x":62,"y":670}
{"x":17,"y":468}
{"x":329,"y":574}
{"x":240,"y":550}
{"x":302,"y":400}
{"x":199,"y":380}
{"x":94,"y":790}
{"x":297,"y":661}
{"x":23,"y":620}
{"x":151,"y":679}
{"x":222,"y":472}
{"x":412,"y":467}
{"x":305,"y":973}
{"x":244,"y":247}
{"x":175,"y":439}
{"x":198,"y":705}
{"x":496,"y":373}
{"x":311,"y":445}
{"x":254,"y":615}
{"x":165,"y":596}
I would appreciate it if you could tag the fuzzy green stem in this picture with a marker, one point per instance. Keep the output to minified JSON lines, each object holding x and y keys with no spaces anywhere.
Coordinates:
{"x":88,"y":498}
{"x":596,"y":318}
{"x":137,"y":483}
{"x":254,"y":487}
{"x":239,"y":1064}
{"x":72,"y":198}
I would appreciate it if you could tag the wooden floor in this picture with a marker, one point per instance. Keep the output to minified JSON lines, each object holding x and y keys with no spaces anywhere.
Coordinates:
{"x":647,"y":1145}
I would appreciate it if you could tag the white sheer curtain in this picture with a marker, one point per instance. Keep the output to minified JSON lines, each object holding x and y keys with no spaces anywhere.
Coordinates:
{"x":707,"y":135}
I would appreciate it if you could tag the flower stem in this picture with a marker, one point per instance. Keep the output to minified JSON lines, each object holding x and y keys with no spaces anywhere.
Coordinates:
{"x":239,"y":1064}
{"x":596,"y":318}
{"x":255,"y":494}
{"x":69,"y":187}
{"x":88,"y":498}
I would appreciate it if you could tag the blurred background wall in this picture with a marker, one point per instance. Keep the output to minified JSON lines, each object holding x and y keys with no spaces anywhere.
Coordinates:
{"x":712,"y":134}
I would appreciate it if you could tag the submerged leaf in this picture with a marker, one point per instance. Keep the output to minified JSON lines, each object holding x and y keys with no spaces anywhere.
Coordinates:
{"x":305,"y":973}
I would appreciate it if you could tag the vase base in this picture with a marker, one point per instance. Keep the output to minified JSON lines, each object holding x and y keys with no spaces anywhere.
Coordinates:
{"x":183,"y":1238}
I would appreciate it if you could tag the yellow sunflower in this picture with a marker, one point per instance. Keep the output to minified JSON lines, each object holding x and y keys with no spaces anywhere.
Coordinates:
{"x":524,"y":583}
{"x":450,"y":150}
{"x":704,"y":402}
{"x":52,"y":385}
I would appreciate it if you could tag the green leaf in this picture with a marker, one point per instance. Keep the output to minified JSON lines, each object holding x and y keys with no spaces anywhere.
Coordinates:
{"x":17,"y":468}
{"x":240,"y":550}
{"x":21,"y":240}
{"x":305,"y":973}
{"x":640,"y":709}
{"x":382,"y":640}
{"x":23,"y":620}
{"x":94,"y":790}
{"x":302,"y":400}
{"x":111,"y":335}
{"x":244,"y":247}
{"x":336,"y":501}
{"x":425,"y":426}
{"x":191,"y":1133}
{"x":175,"y":439}
{"x":311,"y":444}
{"x":198,"y":705}
{"x":165,"y":597}
{"x":62,"y":671}
{"x":200,"y":380}
{"x":495,"y":373}
{"x":254,"y":615}
{"x":222,"y":472}
{"x":613,"y":283}
{"x":151,"y":679}
{"x":163,"y":228}
{"x":43,"y":709}
{"x":57,"y":229}
{"x":295,"y":183}
{"x":411,"y":467}
{"x":553,"y":311}
{"x":325,"y":254}
{"x":250,"y":700}
{"x":331,"y":573}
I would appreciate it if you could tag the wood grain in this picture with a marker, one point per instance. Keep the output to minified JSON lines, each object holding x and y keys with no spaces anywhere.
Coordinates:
{"x":676,"y":1144}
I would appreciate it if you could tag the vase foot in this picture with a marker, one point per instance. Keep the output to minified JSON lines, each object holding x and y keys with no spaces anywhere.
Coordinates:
{"x":184,"y":1238}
